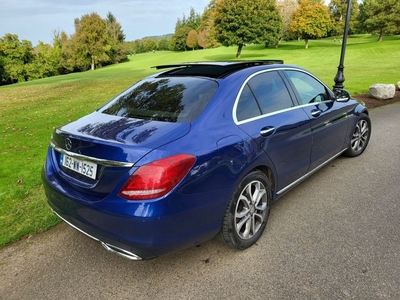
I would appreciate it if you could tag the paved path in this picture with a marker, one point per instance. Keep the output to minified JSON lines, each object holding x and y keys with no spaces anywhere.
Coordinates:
{"x":336,"y":236}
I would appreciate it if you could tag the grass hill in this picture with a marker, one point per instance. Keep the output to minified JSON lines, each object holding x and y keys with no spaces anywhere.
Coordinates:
{"x":30,"y":111}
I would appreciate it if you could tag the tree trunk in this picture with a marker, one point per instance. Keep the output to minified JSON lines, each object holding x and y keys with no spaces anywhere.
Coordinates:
{"x":277,"y":44}
{"x":380,"y":35}
{"x":92,"y":64}
{"x":239,"y":50}
{"x":306,"y":40}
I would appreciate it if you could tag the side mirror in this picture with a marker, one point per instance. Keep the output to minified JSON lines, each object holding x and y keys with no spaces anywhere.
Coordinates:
{"x":341,"y":95}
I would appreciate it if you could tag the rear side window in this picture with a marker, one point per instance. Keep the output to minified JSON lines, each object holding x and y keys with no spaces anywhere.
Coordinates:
{"x":263,"y":94}
{"x":271,"y":92}
{"x":176,"y":99}
{"x":247,"y":107}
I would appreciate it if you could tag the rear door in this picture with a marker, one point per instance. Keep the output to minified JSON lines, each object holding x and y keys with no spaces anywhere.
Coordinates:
{"x":265,"y":111}
{"x":329,"y":120}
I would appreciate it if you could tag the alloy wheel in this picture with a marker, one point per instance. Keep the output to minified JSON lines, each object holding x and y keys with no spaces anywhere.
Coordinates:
{"x":251,"y":210}
{"x":360,"y":136}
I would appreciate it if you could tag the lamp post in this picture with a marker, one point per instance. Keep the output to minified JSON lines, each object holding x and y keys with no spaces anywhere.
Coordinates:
{"x":339,"y":78}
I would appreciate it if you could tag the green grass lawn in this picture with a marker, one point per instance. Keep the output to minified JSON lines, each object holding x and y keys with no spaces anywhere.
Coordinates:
{"x":30,"y":111}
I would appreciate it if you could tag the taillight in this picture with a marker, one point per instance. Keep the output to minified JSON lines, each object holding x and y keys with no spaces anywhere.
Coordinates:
{"x":157,"y":178}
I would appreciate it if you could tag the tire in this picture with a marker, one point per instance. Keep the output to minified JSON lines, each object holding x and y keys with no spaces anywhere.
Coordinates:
{"x":247,"y":213}
{"x":360,"y":138}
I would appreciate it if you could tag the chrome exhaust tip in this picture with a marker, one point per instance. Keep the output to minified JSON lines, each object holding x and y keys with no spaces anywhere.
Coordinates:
{"x":120,"y":252}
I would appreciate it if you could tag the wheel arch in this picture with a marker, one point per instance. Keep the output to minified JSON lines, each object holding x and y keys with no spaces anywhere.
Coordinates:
{"x":270,"y":175}
{"x":361,"y":109}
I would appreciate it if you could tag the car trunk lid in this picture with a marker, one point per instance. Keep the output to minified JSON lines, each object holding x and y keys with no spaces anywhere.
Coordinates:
{"x":95,"y":152}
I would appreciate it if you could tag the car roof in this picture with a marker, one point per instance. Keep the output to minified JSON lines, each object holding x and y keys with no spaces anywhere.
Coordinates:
{"x":213,"y":69}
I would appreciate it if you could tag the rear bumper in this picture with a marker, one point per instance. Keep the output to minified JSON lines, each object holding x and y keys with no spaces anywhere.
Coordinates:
{"x":111,"y":248}
{"x":136,"y":230}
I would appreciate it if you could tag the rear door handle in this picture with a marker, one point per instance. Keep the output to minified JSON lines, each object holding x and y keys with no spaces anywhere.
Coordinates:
{"x":316,"y":113}
{"x":267,"y":131}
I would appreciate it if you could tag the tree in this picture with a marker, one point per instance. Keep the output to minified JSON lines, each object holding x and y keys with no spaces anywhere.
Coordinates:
{"x":3,"y":75}
{"x":361,"y":18}
{"x":380,"y":16}
{"x":338,"y":10}
{"x":202,"y":39}
{"x":57,"y":49}
{"x":95,"y":42}
{"x":149,"y":45}
{"x":91,"y":38}
{"x":286,"y":9}
{"x":311,"y":20}
{"x":194,"y":19}
{"x":247,"y":21}
{"x":179,"y":38}
{"x":70,"y":60}
{"x":182,"y":28}
{"x":46,"y":61}
{"x":207,"y":36}
{"x":163,"y":44}
{"x":191,"y":40}
{"x":116,"y":38}
{"x":134,"y":47}
{"x":73,"y":59}
{"x":16,"y":56}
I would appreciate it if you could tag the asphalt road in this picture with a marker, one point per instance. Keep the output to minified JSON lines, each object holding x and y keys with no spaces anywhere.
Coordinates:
{"x":335,"y":236}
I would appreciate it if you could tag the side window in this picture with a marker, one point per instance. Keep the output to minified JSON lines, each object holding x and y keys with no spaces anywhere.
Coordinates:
{"x":271,"y":92}
{"x":309,"y":89}
{"x":247,"y":106}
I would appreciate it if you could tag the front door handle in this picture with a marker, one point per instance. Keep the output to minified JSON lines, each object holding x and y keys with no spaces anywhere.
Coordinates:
{"x":267,"y":131}
{"x":316,"y":113}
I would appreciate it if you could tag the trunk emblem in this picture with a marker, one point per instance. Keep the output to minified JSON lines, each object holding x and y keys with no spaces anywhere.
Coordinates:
{"x":68,"y":144}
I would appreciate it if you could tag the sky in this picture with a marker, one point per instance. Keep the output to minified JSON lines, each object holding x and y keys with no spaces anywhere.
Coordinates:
{"x":36,"y":20}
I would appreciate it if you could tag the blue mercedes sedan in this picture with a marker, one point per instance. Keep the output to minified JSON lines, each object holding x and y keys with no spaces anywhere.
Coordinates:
{"x":196,"y":151}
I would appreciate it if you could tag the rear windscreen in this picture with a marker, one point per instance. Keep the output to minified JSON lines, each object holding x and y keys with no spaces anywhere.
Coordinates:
{"x":173,"y":99}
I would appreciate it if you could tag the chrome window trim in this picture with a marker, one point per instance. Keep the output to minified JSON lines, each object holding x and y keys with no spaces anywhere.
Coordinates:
{"x":100,"y":161}
{"x":278,"y":111}
{"x":315,"y":103}
{"x":264,"y":116}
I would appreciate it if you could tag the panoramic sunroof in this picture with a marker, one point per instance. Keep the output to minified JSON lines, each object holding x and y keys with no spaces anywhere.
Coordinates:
{"x":211,"y":69}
